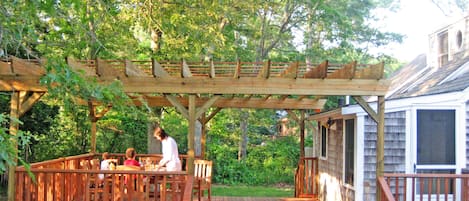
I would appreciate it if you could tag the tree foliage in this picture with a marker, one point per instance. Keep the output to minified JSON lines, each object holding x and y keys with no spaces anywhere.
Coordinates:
{"x":452,"y":7}
{"x":250,"y":30}
{"x":8,"y":150}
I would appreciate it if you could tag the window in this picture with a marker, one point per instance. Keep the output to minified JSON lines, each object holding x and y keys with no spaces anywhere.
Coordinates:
{"x":323,"y":142}
{"x":349,"y":150}
{"x":435,"y":151}
{"x":443,"y":49}
{"x":459,"y":39}
{"x":436,"y":137}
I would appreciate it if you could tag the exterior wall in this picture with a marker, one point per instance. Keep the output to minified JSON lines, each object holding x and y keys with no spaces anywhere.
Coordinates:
{"x":331,"y":168}
{"x":455,"y":51}
{"x":394,"y":150}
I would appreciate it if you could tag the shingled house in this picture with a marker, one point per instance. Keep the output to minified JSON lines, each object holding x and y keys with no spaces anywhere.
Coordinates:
{"x":426,"y":127}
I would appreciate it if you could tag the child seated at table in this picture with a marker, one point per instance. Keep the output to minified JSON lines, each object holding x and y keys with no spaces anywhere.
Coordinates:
{"x":130,"y":155}
{"x":106,"y":164}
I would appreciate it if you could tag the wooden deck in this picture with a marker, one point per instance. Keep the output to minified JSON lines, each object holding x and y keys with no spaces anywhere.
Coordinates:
{"x":218,"y":198}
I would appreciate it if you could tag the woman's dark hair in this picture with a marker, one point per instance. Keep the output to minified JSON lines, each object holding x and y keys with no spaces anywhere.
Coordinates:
{"x":161,"y":133}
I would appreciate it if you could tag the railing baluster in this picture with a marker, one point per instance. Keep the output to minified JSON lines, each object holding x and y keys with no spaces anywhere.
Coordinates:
{"x":446,"y":189}
{"x":404,"y":180}
{"x":397,"y":187}
{"x":413,"y":188}
{"x":430,"y":181}
{"x":422,"y":180}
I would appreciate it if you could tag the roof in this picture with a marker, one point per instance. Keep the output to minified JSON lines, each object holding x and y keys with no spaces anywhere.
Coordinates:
{"x":419,"y":79}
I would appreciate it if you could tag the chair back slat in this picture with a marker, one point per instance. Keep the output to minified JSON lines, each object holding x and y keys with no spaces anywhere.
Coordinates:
{"x":203,"y":177}
{"x":202,"y":169}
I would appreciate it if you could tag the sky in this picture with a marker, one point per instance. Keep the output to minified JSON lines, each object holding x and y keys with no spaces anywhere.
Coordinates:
{"x":416,"y":19}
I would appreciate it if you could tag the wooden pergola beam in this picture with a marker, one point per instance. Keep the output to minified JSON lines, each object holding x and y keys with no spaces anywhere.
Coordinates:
{"x":224,"y":102}
{"x":249,"y":85}
{"x":291,"y":71}
{"x":157,"y":70}
{"x":265,"y":71}
{"x":380,"y":143}
{"x":366,"y":107}
{"x":28,"y":102}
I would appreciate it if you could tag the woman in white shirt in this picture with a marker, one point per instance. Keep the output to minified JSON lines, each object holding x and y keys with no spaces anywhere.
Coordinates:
{"x":170,"y":151}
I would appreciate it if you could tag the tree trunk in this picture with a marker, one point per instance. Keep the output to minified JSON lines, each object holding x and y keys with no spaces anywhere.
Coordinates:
{"x":93,"y":54}
{"x":154,"y":145}
{"x":242,"y":152}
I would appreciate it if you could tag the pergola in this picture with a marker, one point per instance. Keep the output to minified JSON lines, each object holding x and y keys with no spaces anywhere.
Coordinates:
{"x":194,"y":87}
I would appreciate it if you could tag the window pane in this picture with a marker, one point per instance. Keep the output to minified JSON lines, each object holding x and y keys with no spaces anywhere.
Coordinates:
{"x":323,"y":141}
{"x":436,"y":137}
{"x":349,"y":150}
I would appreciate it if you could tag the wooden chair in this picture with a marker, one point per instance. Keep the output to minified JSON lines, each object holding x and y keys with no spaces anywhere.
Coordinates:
{"x":203,"y":178}
{"x":94,"y":185}
{"x":134,"y":186}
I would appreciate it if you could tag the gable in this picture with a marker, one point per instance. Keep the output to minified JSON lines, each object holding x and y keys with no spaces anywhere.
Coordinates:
{"x":443,"y":70}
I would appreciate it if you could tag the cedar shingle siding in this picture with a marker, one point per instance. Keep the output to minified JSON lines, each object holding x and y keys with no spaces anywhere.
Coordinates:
{"x":394,"y":149}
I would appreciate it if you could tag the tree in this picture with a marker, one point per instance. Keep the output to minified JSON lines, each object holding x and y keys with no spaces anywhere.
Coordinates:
{"x":452,"y":7}
{"x":8,"y":150}
{"x":251,"y":30}
{"x":341,"y":32}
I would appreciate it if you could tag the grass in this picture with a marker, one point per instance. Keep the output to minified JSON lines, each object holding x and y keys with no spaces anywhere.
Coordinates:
{"x":251,"y":191}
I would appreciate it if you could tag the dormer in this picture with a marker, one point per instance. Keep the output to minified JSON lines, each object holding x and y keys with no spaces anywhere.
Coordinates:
{"x":449,"y":43}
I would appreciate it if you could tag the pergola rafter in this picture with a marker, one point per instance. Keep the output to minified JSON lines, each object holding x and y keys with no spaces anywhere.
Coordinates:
{"x":194,"y":87}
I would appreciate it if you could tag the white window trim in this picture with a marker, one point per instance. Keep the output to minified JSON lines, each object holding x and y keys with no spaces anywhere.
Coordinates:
{"x":355,"y":172}
{"x":460,"y":140}
{"x":360,"y":146}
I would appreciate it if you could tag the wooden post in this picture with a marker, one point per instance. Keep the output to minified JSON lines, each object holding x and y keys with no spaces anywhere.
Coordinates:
{"x":302,"y":134}
{"x":14,"y":126}
{"x":93,"y":136}
{"x":93,"y":119}
{"x":203,"y":122}
{"x":380,"y":144}
{"x":191,"y":135}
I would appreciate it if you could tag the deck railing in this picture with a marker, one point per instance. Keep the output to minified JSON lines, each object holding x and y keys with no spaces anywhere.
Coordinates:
{"x":66,"y":179}
{"x":307,"y":178}
{"x":403,"y":187}
{"x":68,"y":185}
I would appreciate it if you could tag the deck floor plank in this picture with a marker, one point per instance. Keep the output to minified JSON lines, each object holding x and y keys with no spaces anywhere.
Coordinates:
{"x":219,"y":198}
